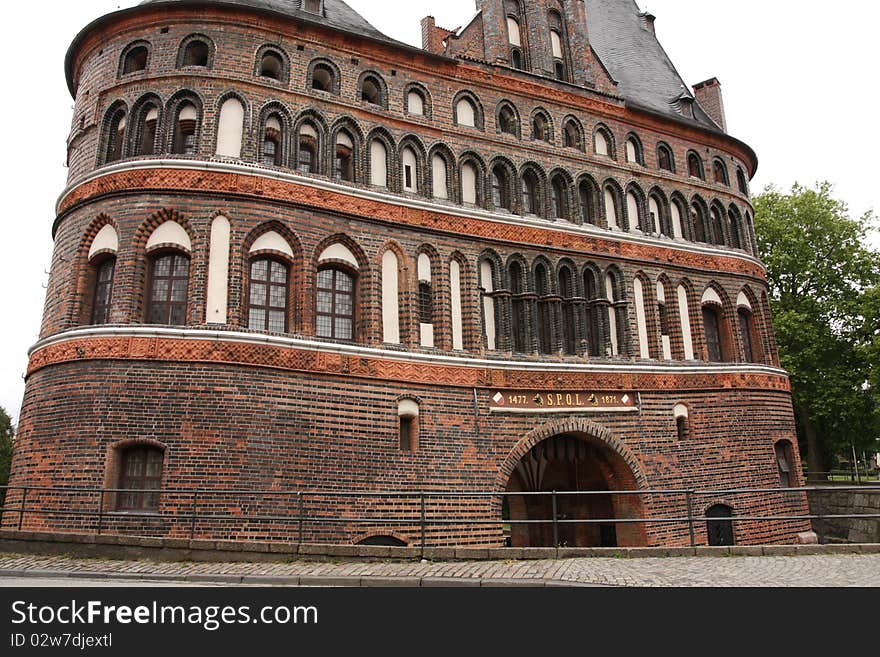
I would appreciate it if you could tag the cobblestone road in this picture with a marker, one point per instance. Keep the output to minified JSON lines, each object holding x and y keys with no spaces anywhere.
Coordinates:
{"x":818,"y":570}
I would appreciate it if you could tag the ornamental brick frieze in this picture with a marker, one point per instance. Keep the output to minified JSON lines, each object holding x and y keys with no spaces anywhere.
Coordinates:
{"x":377,"y":368}
{"x":289,"y":192}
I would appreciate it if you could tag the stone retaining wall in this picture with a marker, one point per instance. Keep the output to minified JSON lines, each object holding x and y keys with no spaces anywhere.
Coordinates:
{"x":846,"y":502}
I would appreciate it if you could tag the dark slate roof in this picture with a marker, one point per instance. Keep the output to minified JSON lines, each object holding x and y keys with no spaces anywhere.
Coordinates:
{"x":336,"y":13}
{"x":636,"y":60}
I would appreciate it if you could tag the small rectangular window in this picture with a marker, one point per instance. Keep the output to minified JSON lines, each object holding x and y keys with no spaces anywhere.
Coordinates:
{"x":408,"y":174}
{"x":406,"y":433}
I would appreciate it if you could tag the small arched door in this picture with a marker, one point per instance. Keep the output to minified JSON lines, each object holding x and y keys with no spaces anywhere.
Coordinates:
{"x":719,"y":526}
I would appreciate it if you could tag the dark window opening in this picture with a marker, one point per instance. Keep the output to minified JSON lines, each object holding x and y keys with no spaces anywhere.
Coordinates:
{"x":371,"y":92}
{"x":712,"y":329}
{"x":426,"y":303}
{"x":312,"y":6}
{"x":507,"y":121}
{"x":720,"y":172}
{"x":587,"y":204}
{"x":272,"y":148}
{"x":169,"y":290}
{"x":531,"y":197}
{"x":784,"y":463}
{"x":147,"y":144}
{"x":407,"y":429}
{"x":322,"y":78}
{"x":745,"y":330}
{"x":140,"y":473}
{"x":571,"y":136}
{"x":540,"y":129}
{"x":196,"y":54}
{"x":664,"y":159}
{"x":500,"y":190}
{"x":695,"y":166}
{"x":516,"y":58}
{"x":184,"y":138}
{"x":307,"y":155}
{"x":559,"y":70}
{"x":681,"y":427}
{"x":135,"y":60}
{"x":558,"y":198}
{"x":741,"y":182}
{"x":103,"y":291}
{"x":344,"y":165}
{"x":271,"y":66}
{"x":267,"y":296}
{"x":116,"y":138}
{"x":408,"y":176}
{"x":335,"y":304}
{"x":719,"y":525}
{"x":699,"y":225}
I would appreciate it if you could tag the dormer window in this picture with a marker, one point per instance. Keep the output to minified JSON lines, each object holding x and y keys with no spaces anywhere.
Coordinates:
{"x":135,"y":59}
{"x":312,"y":6}
{"x":695,"y":166}
{"x":271,"y":65}
{"x":322,"y":78}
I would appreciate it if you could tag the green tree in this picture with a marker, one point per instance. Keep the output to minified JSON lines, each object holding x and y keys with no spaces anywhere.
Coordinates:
{"x":822,"y":280}
{"x":7,"y":431}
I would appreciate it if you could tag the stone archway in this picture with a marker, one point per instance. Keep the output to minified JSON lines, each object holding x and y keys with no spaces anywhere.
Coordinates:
{"x":573,"y":456}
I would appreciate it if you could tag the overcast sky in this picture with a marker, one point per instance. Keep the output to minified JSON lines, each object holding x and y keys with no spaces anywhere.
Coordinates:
{"x":799,"y":80}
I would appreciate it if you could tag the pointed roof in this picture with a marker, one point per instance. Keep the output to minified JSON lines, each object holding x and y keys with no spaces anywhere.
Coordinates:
{"x":336,"y":13}
{"x":628,"y":47}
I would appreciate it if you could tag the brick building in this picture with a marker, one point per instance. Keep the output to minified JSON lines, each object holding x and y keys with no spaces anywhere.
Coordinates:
{"x":296,"y":255}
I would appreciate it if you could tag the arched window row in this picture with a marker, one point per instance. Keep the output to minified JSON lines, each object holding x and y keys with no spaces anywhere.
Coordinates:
{"x":272,"y":63}
{"x":536,"y":307}
{"x":343,"y":152}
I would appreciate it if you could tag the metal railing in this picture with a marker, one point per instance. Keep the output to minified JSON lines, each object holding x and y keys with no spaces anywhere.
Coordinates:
{"x":308,"y":514}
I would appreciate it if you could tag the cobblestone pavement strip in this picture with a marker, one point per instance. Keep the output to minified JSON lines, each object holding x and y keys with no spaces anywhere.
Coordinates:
{"x":808,"y":570}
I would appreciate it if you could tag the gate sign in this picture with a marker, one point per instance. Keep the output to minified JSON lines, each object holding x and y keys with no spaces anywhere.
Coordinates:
{"x":562,"y":401}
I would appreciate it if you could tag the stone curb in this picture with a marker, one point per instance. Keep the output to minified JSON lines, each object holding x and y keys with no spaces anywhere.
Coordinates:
{"x":298,"y":580}
{"x":115,"y":547}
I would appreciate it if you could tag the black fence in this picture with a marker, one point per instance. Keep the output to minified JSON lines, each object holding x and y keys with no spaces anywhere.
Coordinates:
{"x":425,"y":518}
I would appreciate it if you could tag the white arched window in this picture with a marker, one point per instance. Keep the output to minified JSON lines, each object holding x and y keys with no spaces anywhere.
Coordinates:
{"x":488,"y":288}
{"x":663,"y":312}
{"x":612,"y":315}
{"x":685,"y":317}
{"x":601,"y":143}
{"x":677,"y":232}
{"x":469,"y":183}
{"x":632,"y":210}
{"x":513,"y":33}
{"x":218,"y":271}
{"x":409,"y":170}
{"x":415,"y":104}
{"x":610,"y":208}
{"x":378,"y":163}
{"x":465,"y":113}
{"x":654,"y":210}
{"x":455,"y":298}
{"x":556,"y":44}
{"x":230,"y":129}
{"x":632,"y":153}
{"x":426,"y":302}
{"x":641,"y":319}
{"x":390,"y":299}
{"x":439,"y":177}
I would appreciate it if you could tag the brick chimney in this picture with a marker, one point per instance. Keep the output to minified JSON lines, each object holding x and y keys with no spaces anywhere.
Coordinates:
{"x":433,"y":36}
{"x":709,"y":96}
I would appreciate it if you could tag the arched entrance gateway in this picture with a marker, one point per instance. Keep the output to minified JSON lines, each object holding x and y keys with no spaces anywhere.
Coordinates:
{"x":574,"y":462}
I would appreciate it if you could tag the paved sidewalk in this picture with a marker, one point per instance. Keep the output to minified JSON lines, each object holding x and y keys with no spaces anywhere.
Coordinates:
{"x":808,"y":570}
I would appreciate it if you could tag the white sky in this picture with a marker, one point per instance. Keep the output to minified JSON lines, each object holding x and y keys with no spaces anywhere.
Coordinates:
{"x":799,"y":80}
